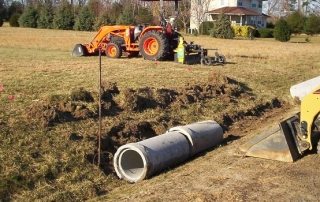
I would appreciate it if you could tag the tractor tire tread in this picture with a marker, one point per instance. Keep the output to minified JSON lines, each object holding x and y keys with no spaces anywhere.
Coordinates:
{"x":119,"y":50}
{"x":164,"y":46}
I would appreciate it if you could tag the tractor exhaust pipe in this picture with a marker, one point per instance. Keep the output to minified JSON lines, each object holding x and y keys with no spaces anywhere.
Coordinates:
{"x":137,"y":161}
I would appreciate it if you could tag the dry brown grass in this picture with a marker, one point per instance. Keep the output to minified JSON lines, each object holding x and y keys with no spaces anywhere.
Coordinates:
{"x":34,"y":64}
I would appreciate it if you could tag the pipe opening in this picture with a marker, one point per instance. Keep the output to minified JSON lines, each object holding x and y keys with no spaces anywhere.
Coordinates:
{"x":131,"y":164}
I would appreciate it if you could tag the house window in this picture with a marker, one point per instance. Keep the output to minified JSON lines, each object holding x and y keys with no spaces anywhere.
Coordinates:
{"x":239,"y":3}
{"x":253,"y":5}
{"x":260,"y":4}
{"x":259,"y":22}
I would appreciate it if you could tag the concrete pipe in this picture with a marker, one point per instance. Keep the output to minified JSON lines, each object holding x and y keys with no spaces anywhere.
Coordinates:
{"x":137,"y":161}
{"x":201,"y":135}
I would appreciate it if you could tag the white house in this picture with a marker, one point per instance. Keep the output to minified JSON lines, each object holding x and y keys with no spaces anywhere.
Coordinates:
{"x":240,"y":12}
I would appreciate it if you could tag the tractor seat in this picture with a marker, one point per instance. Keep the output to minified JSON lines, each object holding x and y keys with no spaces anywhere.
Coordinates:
{"x":137,"y":31}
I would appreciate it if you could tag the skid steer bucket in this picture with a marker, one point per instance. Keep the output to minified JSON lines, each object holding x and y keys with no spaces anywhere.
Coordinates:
{"x":79,"y":50}
{"x":280,"y":143}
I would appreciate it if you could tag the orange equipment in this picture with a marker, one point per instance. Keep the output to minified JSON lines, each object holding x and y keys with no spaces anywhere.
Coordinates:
{"x":153,"y":42}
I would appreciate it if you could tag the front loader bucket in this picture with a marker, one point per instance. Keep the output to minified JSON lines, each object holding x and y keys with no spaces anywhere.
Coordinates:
{"x":279,"y":143}
{"x":79,"y":50}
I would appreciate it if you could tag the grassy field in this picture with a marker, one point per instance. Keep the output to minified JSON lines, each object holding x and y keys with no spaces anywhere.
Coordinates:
{"x":47,"y":163}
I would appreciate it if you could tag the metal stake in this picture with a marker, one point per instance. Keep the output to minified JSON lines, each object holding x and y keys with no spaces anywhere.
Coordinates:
{"x":99,"y":133}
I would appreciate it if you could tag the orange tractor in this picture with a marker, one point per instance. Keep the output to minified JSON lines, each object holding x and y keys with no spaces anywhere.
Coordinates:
{"x":152,"y":42}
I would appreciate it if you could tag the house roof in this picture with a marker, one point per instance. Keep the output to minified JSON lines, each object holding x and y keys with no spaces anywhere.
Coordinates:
{"x":234,"y":11}
{"x":265,"y":15}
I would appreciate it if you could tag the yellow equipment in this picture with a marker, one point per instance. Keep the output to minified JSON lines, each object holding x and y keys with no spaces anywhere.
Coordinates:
{"x":293,"y":136}
{"x":180,"y":51}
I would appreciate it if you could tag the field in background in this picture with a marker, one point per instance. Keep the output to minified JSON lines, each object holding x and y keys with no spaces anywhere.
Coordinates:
{"x":44,"y":163}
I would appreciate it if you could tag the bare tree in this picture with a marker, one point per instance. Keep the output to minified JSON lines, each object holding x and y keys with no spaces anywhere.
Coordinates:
{"x":184,"y":13}
{"x":198,"y":10}
{"x":279,"y":8}
{"x":311,"y":6}
{"x":272,"y":6}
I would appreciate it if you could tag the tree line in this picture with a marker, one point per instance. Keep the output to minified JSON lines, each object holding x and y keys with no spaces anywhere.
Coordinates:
{"x":85,"y":15}
{"x":295,"y":23}
{"x":299,"y":23}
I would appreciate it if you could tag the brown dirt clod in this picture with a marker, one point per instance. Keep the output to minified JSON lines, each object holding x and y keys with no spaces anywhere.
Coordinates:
{"x":109,"y":90}
{"x":130,"y":131}
{"x":138,"y":100}
{"x":80,"y":94}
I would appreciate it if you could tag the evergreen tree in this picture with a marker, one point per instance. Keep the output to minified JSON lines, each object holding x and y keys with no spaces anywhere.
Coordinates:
{"x":144,"y":16}
{"x":222,"y":28}
{"x":3,"y":11}
{"x":15,"y":8}
{"x":85,"y":20}
{"x":102,"y":20}
{"x":96,"y":7}
{"x":126,"y":17}
{"x":45,"y":19}
{"x":63,"y":18}
{"x":296,"y":22}
{"x":13,"y":21}
{"x":114,"y":12}
{"x":282,"y":31}
{"x":206,"y":27}
{"x":312,"y":25}
{"x":29,"y":17}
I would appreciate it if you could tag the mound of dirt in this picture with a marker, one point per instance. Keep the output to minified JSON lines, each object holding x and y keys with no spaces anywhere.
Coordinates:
{"x":48,"y":114}
{"x":148,"y":98}
{"x":45,"y":114}
{"x":221,"y":86}
{"x":130,"y":131}
{"x":138,"y":100}
{"x":164,"y":97}
{"x":80,"y":94}
{"x":59,"y":108}
{"x":109,"y":91}
{"x":259,"y":110}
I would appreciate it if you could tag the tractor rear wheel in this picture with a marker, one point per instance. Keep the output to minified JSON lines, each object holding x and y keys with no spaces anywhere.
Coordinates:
{"x":113,"y":50}
{"x":154,"y":45}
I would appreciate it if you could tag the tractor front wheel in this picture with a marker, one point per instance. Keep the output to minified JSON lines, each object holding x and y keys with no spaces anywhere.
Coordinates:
{"x":113,"y":50}
{"x":154,"y":45}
